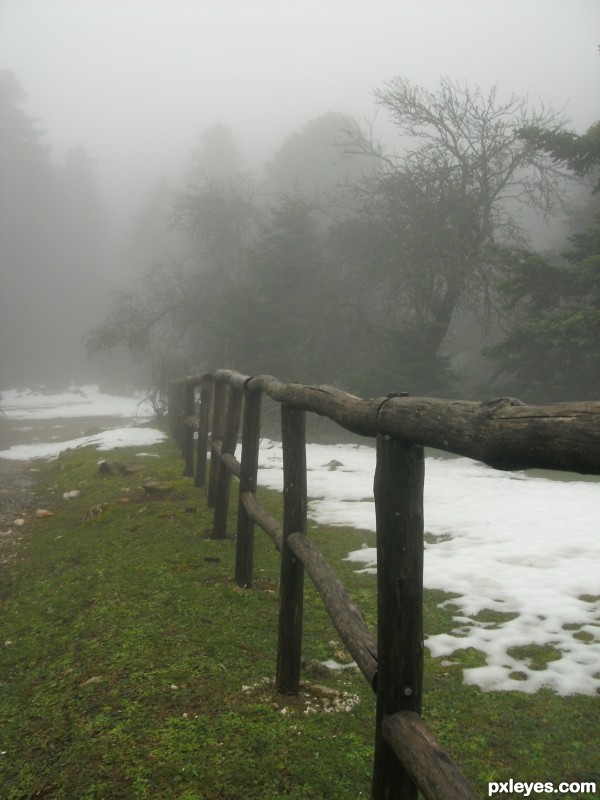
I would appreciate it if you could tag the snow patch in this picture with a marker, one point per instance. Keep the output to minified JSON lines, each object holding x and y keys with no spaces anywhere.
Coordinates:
{"x":108,"y":440}
{"x":76,"y":401}
{"x":526,"y":547}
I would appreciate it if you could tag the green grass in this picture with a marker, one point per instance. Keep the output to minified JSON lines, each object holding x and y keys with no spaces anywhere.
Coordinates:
{"x":131,"y":666}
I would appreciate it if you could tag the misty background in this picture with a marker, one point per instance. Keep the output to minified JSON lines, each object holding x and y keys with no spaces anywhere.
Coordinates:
{"x":189,"y":184}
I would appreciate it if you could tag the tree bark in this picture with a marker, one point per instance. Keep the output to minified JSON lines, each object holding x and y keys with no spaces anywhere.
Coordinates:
{"x":504,"y":432}
{"x":291,"y":582}
{"x":398,"y":491}
{"x":434,"y":772}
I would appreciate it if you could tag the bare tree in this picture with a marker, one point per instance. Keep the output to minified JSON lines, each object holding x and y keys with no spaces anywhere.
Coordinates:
{"x":471,"y":139}
{"x":440,"y":203}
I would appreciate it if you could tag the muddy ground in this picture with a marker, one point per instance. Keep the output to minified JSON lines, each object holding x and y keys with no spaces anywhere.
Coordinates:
{"x":18,"y":478}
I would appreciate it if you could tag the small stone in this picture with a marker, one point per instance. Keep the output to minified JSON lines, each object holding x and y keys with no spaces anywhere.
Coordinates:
{"x":42,"y":512}
{"x":90,"y":681}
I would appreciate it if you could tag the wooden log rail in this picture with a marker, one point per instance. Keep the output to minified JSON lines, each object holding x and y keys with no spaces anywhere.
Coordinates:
{"x":503,"y":433}
{"x":425,"y":760}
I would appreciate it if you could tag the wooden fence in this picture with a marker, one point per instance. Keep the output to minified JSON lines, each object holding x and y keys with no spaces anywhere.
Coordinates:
{"x":504,"y":433}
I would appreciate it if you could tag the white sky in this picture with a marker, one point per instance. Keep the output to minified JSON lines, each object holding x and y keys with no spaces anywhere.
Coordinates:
{"x":136,"y":81}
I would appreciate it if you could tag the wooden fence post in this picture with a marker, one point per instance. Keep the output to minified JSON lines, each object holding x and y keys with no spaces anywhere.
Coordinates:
{"x":187,"y":440}
{"x":244,"y":553}
{"x":291,"y":584}
{"x":222,"y":489}
{"x":220,"y":393}
{"x":206,"y":396}
{"x":398,"y":491}
{"x":177,"y":411}
{"x":171,"y":407}
{"x":424,"y":757}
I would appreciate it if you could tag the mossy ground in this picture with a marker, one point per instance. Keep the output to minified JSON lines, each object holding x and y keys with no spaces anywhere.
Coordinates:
{"x":133,"y":667}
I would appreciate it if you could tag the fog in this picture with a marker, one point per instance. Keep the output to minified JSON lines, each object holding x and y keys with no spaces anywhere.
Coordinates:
{"x":122,"y":91}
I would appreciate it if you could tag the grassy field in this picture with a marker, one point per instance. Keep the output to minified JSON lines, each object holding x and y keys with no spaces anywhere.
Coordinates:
{"x":133,"y":667}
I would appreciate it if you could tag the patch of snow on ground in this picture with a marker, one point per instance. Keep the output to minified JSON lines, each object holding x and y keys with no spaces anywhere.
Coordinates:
{"x":77,"y":401}
{"x":107,"y":440}
{"x":527,"y":547}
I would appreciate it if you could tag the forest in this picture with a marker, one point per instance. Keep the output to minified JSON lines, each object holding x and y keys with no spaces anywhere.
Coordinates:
{"x":409,"y":264}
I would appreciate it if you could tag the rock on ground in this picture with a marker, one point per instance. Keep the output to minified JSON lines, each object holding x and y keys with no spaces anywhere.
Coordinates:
{"x":16,"y":501}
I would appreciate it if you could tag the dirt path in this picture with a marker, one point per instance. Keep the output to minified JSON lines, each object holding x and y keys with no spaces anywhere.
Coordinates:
{"x":17,"y":478}
{"x":16,"y":485}
{"x":16,"y":500}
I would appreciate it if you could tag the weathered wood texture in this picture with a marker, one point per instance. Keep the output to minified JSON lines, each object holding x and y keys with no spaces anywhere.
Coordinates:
{"x":244,"y":551}
{"x":432,"y":769}
{"x":230,"y":461}
{"x":398,"y":490}
{"x":219,"y":411}
{"x":189,"y":426}
{"x":235,"y":379}
{"x":291,"y":582}
{"x":206,"y":396}
{"x":503,"y":433}
{"x":223,"y":485}
{"x":346,"y":617}
{"x":268,"y":523}
{"x":352,"y":413}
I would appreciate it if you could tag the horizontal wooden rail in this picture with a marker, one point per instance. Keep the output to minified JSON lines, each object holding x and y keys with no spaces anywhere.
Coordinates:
{"x":232,"y":464}
{"x":268,"y":523}
{"x":431,"y":768}
{"x":352,"y":413}
{"x":346,"y":617}
{"x":504,"y":433}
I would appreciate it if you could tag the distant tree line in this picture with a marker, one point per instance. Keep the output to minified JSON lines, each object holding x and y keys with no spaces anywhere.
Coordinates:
{"x":377,"y":269}
{"x":551,"y":346}
{"x":54,"y":252}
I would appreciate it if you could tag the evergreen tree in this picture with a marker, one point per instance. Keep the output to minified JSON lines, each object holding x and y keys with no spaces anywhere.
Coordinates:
{"x":53,"y":248}
{"x":280,"y":317}
{"x":551,"y":352}
{"x":168,"y":317}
